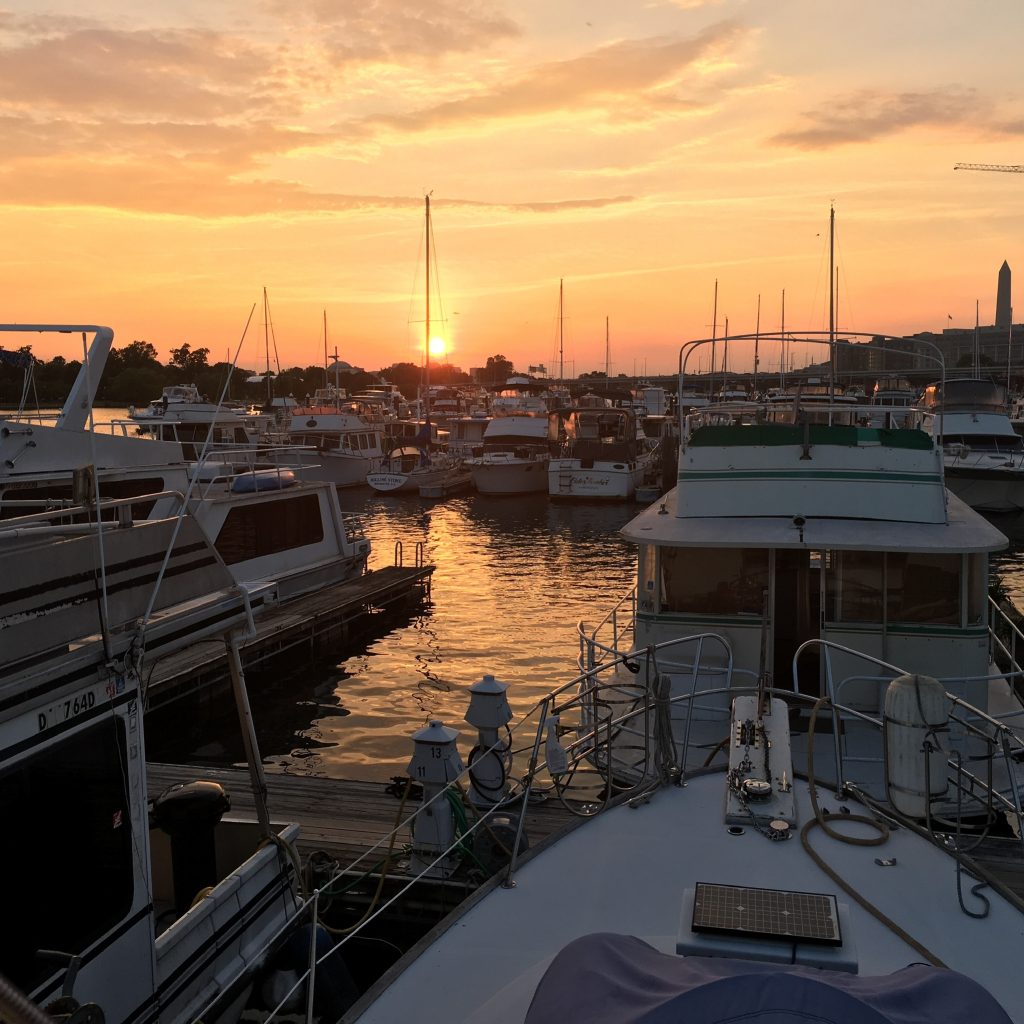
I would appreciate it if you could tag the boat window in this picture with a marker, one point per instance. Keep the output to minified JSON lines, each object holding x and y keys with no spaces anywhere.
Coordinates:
{"x":977,"y":588}
{"x":48,"y":494}
{"x":714,"y":581}
{"x":66,"y":865}
{"x":267,"y":527}
{"x":923,"y":588}
{"x":646,"y":581}
{"x":986,"y":442}
{"x":855,"y":586}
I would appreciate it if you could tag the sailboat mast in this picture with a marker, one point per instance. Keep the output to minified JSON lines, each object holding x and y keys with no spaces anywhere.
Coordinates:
{"x":714,"y":334}
{"x":607,"y":352}
{"x":561,"y":348}
{"x":757,"y":341}
{"x":266,"y":345}
{"x":326,"y":378}
{"x":426,"y":341}
{"x":782,"y":331}
{"x":832,"y":303}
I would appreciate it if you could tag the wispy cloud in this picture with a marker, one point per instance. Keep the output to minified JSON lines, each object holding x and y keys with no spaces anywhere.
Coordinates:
{"x":868,"y":115}
{"x":627,"y":74}
{"x":388,"y":30}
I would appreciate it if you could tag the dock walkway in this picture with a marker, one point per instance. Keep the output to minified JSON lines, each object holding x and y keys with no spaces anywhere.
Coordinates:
{"x":308,"y":622}
{"x":339,"y":817}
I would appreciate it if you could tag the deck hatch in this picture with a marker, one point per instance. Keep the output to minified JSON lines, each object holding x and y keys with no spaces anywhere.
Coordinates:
{"x":766,"y":913}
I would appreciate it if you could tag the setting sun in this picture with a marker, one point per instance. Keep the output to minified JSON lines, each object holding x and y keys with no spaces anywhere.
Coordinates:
{"x":438,"y":347}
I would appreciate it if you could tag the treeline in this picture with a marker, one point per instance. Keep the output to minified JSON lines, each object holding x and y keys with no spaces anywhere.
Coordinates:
{"x":134,"y":376}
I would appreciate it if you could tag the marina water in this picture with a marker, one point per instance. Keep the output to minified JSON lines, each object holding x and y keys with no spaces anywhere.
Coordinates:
{"x":513,"y":577}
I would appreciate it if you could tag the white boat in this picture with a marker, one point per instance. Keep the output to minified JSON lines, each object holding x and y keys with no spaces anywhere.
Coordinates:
{"x":984,"y":455}
{"x":122,"y":905}
{"x":265,"y":521}
{"x":603,"y":455}
{"x":787,"y":749}
{"x":337,"y":441}
{"x":515,"y":456}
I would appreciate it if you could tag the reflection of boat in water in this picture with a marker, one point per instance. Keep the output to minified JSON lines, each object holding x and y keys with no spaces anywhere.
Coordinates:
{"x":984,"y":455}
{"x":776,"y":790}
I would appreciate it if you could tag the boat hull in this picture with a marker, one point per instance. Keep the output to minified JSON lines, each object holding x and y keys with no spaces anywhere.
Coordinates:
{"x":513,"y":476}
{"x":568,"y":478}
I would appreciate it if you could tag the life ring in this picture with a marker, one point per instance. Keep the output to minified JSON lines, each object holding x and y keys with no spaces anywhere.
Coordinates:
{"x":311,"y":422}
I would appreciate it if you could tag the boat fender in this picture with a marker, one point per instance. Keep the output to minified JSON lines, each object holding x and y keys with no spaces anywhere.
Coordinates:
{"x":915,"y":718}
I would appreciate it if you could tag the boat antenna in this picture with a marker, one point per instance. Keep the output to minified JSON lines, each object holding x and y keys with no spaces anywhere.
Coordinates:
{"x":831,"y":303}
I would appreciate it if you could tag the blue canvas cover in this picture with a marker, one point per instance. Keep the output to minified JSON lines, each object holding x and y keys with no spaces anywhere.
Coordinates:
{"x":618,"y":979}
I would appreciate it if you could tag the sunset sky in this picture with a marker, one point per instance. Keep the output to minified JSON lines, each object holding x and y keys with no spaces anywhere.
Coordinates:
{"x":164,"y":163}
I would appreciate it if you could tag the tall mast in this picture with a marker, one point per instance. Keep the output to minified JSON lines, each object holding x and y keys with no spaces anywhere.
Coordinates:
{"x":832,"y":303}
{"x":266,"y":344}
{"x":757,"y":341}
{"x":607,"y":352}
{"x":714,"y":333}
{"x":782,"y":331}
{"x":561,"y":349}
{"x":426,"y":342}
{"x":326,"y":380}
{"x":977,"y":340}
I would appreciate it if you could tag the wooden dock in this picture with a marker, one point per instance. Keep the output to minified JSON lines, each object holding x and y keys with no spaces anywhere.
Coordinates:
{"x":338,"y":817}
{"x":302,"y":625}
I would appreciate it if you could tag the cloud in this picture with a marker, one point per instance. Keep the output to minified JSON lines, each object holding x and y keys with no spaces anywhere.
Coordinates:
{"x":868,"y":115}
{"x":624,"y":74}
{"x":185,"y":74}
{"x":389,"y":30}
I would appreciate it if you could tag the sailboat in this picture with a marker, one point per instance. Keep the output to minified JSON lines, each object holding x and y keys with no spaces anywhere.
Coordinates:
{"x":417,"y":469}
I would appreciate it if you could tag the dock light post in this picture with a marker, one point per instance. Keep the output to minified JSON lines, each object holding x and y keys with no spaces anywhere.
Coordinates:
{"x":435,"y":764}
{"x":489,"y":761}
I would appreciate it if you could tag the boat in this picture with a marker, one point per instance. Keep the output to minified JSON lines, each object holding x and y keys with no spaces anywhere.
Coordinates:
{"x":121,"y":904}
{"x":440,"y":472}
{"x":515,"y":456}
{"x":603,"y":454}
{"x":263,"y":518}
{"x":786,"y":751}
{"x":984,"y":455}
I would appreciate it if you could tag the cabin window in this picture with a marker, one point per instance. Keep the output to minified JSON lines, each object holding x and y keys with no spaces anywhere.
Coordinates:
{"x":923,"y":588}
{"x":714,"y":581}
{"x":977,"y":589}
{"x":646,"y":579}
{"x":855,"y":585}
{"x":66,"y":864}
{"x":267,"y":527}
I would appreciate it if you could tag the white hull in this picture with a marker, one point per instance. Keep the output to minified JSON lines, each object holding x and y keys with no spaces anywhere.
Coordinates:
{"x":339,"y":468}
{"x":987,"y":489}
{"x":510,"y":476}
{"x":614,"y":482}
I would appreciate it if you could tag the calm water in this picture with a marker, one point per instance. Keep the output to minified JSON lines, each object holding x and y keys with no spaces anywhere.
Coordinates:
{"x":513,"y":576}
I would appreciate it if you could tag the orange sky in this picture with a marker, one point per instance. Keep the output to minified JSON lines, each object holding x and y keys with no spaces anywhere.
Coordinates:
{"x":162,"y":167}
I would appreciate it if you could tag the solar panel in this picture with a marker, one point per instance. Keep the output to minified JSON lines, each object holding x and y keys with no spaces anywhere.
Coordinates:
{"x":766,"y":913}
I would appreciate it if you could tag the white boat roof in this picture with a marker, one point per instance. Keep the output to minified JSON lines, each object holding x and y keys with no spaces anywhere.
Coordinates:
{"x":964,"y":531}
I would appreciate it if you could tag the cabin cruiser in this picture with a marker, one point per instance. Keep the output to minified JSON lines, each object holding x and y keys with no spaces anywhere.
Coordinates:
{"x":984,"y":455}
{"x":266,"y":522}
{"x":120,"y":904}
{"x":775,"y":749}
{"x":604,"y":455}
{"x":515,"y":456}
{"x":337,"y":440}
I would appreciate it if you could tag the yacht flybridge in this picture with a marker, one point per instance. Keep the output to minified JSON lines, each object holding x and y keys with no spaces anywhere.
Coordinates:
{"x":789,"y":745}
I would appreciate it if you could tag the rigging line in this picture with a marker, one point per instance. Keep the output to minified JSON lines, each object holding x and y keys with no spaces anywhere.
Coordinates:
{"x":273,"y":337}
{"x":414,"y":293}
{"x":104,"y":608}
{"x":144,"y":622}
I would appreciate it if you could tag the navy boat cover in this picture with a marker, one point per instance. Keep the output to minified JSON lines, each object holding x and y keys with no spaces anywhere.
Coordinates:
{"x":618,"y":979}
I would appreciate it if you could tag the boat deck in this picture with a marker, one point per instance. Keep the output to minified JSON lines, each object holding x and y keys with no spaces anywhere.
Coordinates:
{"x":324,"y":617}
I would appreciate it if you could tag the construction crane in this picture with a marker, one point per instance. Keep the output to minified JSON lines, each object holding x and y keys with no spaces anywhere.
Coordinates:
{"x":1008,"y":168}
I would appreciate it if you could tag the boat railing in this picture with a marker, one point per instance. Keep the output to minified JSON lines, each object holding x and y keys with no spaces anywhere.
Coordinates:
{"x":995,"y":733}
{"x":618,"y":622}
{"x":59,"y":514}
{"x":805,"y":408}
